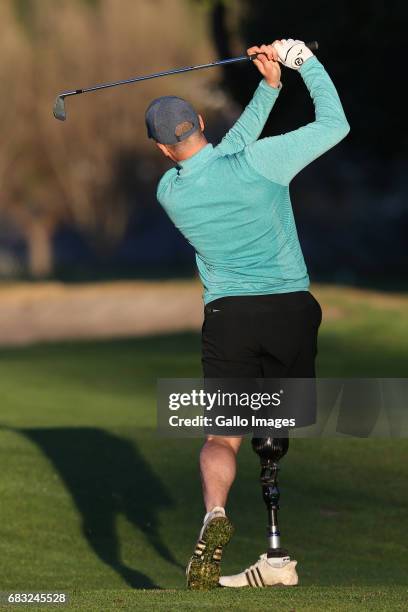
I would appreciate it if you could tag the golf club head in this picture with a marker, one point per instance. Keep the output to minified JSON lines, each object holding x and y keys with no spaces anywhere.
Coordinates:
{"x":59,"y":108}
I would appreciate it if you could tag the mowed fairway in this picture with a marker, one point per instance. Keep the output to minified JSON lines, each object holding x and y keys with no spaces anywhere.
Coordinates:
{"x":93,"y":503}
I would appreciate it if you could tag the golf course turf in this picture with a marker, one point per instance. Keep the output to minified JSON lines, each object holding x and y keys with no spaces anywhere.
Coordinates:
{"x":94,"y":503}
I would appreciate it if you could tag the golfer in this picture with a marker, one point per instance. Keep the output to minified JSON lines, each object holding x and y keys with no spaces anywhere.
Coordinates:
{"x":232,"y":204}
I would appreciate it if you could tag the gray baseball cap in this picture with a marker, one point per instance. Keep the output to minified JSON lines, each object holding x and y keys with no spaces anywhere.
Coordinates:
{"x":164,"y":114}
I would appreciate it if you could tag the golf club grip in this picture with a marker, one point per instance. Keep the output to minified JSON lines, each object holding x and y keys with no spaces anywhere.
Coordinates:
{"x":313,"y":45}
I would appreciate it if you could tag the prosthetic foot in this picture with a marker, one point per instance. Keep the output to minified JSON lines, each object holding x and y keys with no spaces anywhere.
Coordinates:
{"x":274,"y":567}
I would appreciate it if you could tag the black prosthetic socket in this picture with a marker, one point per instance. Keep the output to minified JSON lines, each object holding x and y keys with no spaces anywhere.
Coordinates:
{"x":270,"y":451}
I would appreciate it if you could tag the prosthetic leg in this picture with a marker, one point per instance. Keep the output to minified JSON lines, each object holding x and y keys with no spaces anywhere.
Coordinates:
{"x":270,"y":451}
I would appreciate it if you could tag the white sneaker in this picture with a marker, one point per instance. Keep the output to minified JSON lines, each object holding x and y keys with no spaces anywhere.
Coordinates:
{"x":264,"y":573}
{"x":203,"y":570}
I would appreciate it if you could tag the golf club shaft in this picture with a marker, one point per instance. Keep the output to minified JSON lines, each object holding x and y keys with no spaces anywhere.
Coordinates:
{"x":156,"y":75}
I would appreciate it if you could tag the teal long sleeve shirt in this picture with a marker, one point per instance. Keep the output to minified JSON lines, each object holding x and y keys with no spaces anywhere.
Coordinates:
{"x":232,"y":201}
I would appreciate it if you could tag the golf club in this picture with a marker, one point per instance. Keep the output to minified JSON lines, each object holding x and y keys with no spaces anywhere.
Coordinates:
{"x":59,"y":106}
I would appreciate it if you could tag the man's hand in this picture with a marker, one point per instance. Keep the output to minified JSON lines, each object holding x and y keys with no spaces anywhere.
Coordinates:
{"x":267,"y":63}
{"x":292,"y":53}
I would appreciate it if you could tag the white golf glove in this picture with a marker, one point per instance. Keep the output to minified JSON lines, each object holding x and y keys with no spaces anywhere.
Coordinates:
{"x":292,"y":53}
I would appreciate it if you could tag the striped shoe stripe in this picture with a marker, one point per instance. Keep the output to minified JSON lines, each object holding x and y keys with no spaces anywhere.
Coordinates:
{"x":200,"y":548}
{"x":260,"y":576}
{"x":248,"y":579}
{"x":255,"y":578}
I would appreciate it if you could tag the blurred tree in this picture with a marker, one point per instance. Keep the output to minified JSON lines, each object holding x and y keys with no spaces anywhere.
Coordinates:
{"x":53,"y":173}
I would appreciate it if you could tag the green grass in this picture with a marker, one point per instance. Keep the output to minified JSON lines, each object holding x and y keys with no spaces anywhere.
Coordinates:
{"x":92,"y":502}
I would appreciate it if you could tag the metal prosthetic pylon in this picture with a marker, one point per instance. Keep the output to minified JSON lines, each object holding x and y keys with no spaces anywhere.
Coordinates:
{"x":270,"y":451}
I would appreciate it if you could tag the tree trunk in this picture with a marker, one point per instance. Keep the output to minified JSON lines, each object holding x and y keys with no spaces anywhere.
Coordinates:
{"x":39,"y":247}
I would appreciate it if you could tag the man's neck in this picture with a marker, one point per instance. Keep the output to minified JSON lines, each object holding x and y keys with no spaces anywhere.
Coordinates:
{"x":192,"y":150}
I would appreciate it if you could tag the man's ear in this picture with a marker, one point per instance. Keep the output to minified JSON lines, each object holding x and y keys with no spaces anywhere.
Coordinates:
{"x":163,"y":149}
{"x":202,"y":124}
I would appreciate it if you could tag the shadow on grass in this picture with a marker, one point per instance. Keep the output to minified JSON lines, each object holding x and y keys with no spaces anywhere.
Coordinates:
{"x":107,"y":476}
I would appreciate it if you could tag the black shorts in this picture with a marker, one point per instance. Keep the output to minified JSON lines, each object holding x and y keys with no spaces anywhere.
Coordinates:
{"x":263,"y":336}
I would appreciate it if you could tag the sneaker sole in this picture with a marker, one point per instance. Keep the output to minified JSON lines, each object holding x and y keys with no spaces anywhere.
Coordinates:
{"x":203,"y":571}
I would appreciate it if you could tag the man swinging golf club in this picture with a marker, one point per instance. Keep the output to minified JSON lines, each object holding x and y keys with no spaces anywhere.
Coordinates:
{"x":232,"y":203}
